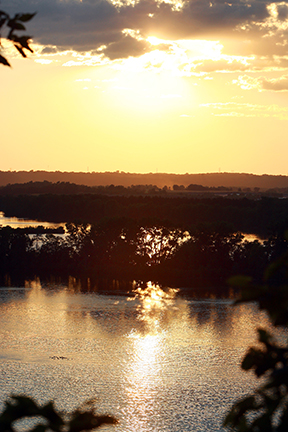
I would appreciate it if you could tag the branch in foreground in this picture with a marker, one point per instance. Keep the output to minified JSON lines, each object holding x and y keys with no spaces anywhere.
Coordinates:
{"x":13,"y":25}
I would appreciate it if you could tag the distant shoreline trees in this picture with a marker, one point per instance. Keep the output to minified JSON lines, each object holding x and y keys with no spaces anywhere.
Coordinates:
{"x":257,"y":183}
{"x":263,"y":216}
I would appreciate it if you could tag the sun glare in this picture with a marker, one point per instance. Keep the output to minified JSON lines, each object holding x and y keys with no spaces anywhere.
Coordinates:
{"x":149,"y":84}
{"x":153,"y":292}
{"x":146,"y":82}
{"x":153,"y":301}
{"x":153,"y":40}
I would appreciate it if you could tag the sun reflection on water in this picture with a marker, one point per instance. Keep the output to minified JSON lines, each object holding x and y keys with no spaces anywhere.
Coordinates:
{"x":142,"y":375}
{"x":147,"y":346}
{"x":153,"y":305}
{"x":153,"y":292}
{"x":157,"y":361}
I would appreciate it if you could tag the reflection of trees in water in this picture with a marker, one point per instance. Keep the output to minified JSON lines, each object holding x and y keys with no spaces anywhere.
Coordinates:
{"x":215,"y":321}
{"x":114,"y":254}
{"x":9,"y":295}
{"x":216,"y":314}
{"x":138,"y":314}
{"x":200,"y":313}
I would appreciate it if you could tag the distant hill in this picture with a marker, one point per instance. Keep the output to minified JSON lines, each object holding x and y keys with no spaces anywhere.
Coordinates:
{"x":239,"y":180}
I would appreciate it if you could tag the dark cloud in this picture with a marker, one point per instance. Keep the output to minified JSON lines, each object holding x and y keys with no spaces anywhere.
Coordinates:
{"x":49,"y":50}
{"x":282,"y":10}
{"x":87,"y":25}
{"x":125,"y":47}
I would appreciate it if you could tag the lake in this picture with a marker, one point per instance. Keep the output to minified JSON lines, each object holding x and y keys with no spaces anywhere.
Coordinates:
{"x":158,"y":363}
{"x":15,"y":222}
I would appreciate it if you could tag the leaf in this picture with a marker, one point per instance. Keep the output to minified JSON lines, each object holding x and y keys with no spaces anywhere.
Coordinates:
{"x":236,"y":416}
{"x":4,"y":61}
{"x":25,"y":405}
{"x":264,"y":336}
{"x":23,"y":41}
{"x":26,"y":17}
{"x":263,"y":423}
{"x":86,"y":421}
{"x":48,"y":411}
{"x":20,"y":50}
{"x":283,"y":426}
{"x":15,"y":25}
{"x":2,"y":13}
{"x":2,"y":21}
{"x":252,"y":359}
{"x":39,"y":428}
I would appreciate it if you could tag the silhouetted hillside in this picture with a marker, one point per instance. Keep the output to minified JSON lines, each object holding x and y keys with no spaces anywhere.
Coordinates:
{"x":159,"y":179}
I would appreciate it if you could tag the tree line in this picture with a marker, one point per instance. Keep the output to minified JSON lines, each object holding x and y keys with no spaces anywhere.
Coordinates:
{"x":68,"y":188}
{"x":114,"y":253}
{"x":266,"y":216}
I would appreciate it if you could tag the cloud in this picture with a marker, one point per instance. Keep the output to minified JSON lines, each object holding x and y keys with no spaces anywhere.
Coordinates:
{"x":262,"y":83}
{"x":125,"y":47}
{"x":43,"y":61}
{"x":280,"y":84}
{"x":225,"y":64}
{"x":236,"y":109}
{"x":231,"y":63}
{"x":87,"y":25}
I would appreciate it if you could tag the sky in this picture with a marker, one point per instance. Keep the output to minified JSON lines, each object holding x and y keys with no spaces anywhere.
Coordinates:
{"x":142,"y":86}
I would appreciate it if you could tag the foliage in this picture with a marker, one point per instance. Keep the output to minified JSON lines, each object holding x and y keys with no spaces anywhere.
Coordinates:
{"x":121,"y":249}
{"x":266,"y":410}
{"x":48,"y":418}
{"x":13,"y":26}
{"x":264,"y":217}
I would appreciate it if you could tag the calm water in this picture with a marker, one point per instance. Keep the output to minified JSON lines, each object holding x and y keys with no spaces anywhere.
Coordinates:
{"x":157,"y":364}
{"x":15,"y":222}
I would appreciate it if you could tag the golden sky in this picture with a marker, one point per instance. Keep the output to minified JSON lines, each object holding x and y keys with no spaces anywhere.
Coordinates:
{"x":148,"y":86}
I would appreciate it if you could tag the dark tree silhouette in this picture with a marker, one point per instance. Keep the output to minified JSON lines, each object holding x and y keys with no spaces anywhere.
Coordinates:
{"x":266,"y":409}
{"x":49,"y":418}
{"x":12,"y":27}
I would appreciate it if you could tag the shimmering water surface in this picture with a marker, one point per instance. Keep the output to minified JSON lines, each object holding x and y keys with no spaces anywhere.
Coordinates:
{"x":158,"y":364}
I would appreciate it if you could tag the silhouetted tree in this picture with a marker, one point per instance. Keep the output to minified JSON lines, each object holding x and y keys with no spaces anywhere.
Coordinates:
{"x":13,"y":26}
{"x":266,"y":410}
{"x":49,"y":418}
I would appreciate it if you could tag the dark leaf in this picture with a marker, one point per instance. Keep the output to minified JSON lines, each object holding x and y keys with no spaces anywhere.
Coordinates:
{"x":40,"y":428}
{"x":15,"y":25}
{"x":87,"y":421}
{"x":4,"y":61}
{"x":20,"y":50}
{"x":283,"y":426}
{"x":264,"y":336}
{"x":252,"y":359}
{"x":49,"y":412}
{"x":26,"y":17}
{"x":262,"y":423}
{"x":22,"y":41}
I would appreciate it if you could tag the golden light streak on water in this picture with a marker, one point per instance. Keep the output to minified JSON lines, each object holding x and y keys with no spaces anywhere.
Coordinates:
{"x":158,"y":362}
{"x":154,"y":303}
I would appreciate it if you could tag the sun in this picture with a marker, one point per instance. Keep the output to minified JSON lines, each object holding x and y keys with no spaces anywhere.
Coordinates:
{"x":150,"y":83}
{"x":153,"y":40}
{"x":158,"y":79}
